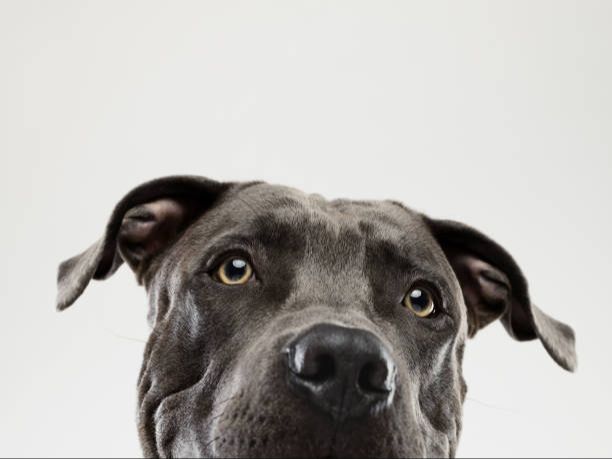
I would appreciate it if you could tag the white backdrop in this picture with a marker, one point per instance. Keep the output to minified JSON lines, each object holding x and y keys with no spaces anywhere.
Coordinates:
{"x":498,"y":114}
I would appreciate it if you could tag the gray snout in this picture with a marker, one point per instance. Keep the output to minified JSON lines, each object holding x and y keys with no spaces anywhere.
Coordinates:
{"x":346,"y":372}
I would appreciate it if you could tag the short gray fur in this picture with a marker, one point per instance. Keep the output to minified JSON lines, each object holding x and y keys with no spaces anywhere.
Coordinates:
{"x":213,"y":380}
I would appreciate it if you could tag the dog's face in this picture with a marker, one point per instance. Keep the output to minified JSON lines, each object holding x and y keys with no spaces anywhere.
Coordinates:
{"x":284,"y":324}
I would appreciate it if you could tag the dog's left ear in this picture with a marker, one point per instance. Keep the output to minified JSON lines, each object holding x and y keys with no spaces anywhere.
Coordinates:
{"x":494,"y":287}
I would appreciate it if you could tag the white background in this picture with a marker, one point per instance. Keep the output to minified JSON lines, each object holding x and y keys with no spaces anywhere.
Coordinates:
{"x":498,"y":114}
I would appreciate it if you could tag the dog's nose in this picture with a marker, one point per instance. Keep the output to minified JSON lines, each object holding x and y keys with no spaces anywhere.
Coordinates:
{"x":346,"y":372}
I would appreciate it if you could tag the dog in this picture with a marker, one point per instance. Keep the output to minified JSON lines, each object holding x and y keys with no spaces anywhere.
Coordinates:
{"x":284,"y":324}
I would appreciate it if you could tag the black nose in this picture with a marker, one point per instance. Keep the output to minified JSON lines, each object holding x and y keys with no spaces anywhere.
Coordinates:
{"x":346,"y":372}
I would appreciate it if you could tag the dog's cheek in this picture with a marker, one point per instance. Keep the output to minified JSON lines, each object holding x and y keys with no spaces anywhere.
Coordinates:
{"x":181,"y":429}
{"x":173,"y":436}
{"x":177,"y":378}
{"x":439,"y":407}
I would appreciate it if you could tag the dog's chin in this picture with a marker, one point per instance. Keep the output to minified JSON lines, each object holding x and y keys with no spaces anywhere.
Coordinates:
{"x":290,"y":429}
{"x":293,"y":442}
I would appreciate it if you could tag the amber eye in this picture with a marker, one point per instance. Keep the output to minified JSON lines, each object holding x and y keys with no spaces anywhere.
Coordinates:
{"x":235,"y":271}
{"x":420,"y":301}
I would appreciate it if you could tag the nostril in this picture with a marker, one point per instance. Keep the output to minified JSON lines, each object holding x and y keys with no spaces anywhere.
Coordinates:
{"x":310,"y":365}
{"x":374,"y":377}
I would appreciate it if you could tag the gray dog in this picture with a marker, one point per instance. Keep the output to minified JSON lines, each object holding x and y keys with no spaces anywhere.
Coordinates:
{"x":284,"y":324}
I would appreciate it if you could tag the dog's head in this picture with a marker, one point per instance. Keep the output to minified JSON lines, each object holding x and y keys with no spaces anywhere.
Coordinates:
{"x":284,"y":324}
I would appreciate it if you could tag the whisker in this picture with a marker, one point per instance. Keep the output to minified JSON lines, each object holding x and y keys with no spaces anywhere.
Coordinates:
{"x":126,"y":338}
{"x":212,"y":441}
{"x":492,"y":407}
{"x":227,"y":399}
{"x":218,"y":415}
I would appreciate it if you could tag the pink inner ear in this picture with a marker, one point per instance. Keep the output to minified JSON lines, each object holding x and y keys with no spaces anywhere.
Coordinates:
{"x":494,"y":284}
{"x":140,"y":221}
{"x":148,"y":228}
{"x":486,"y":290}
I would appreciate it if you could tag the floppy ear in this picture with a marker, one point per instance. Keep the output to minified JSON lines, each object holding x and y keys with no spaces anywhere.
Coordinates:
{"x":494,"y":287}
{"x":145,"y":222}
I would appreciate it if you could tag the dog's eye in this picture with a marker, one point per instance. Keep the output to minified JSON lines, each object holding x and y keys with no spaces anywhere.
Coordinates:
{"x":420,"y":301}
{"x":234,"y":271}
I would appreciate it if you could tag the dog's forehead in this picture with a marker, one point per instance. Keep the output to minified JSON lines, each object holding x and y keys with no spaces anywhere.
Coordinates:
{"x":341,"y":225}
{"x":383,"y":219}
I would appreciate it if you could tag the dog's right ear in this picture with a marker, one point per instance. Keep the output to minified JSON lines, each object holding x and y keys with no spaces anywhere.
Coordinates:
{"x":145,"y":222}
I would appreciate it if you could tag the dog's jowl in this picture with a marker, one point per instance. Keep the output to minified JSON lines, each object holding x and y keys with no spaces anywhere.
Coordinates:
{"x":284,"y":324}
